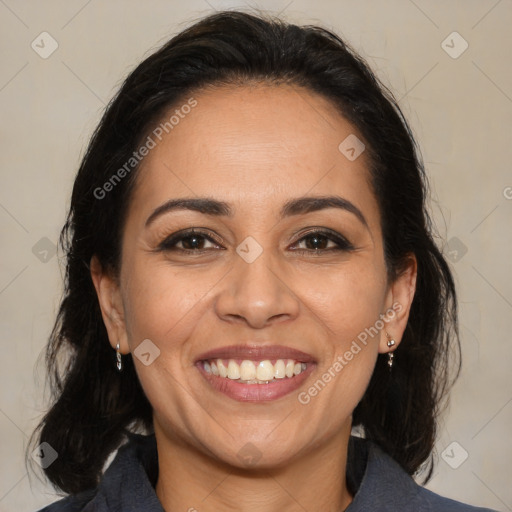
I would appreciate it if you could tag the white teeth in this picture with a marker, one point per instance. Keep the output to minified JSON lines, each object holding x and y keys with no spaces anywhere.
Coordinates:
{"x":265,"y":370}
{"x":254,"y":372}
{"x":247,"y":370}
{"x":280,"y":369}
{"x":233,"y":370}
{"x":290,"y":365}
{"x":223,"y":372}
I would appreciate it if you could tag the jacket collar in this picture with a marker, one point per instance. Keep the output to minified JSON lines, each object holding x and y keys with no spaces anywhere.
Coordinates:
{"x":130,"y":480}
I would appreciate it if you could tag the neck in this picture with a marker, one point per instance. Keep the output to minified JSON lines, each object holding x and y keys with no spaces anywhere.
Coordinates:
{"x":190,"y":480}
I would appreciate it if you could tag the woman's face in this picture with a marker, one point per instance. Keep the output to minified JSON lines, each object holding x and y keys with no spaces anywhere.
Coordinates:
{"x":268,"y":266}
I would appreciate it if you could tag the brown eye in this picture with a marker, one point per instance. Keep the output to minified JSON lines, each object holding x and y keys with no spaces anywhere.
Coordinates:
{"x":193,"y":242}
{"x":322,"y":241}
{"x":315,"y":242}
{"x":189,"y":241}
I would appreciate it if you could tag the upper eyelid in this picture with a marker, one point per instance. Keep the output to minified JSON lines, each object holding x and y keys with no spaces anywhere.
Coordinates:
{"x":180,"y":235}
{"x":342,"y":241}
{"x":323,"y":231}
{"x":336,"y":237}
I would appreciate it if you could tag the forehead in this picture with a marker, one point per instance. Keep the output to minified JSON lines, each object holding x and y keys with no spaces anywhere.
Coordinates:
{"x":254,"y":146}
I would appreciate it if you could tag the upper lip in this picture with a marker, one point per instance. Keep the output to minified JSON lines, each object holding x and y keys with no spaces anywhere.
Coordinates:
{"x":256,"y":353}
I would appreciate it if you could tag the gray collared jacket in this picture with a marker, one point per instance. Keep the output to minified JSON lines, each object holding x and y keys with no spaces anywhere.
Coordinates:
{"x":378,"y":483}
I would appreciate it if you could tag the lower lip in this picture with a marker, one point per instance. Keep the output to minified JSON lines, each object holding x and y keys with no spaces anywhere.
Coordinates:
{"x":256,"y":392}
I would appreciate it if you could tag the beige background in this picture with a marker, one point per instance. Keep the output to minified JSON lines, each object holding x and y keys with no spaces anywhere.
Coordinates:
{"x":461,"y":112}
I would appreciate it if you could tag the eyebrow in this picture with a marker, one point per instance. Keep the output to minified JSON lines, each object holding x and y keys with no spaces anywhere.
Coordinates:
{"x":297,"y":206}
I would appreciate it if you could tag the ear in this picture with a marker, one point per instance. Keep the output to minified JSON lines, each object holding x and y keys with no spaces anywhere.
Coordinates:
{"x":111,"y":305}
{"x":398,"y":305}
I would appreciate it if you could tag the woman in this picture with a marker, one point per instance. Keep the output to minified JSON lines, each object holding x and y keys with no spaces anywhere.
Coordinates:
{"x":251,"y":274}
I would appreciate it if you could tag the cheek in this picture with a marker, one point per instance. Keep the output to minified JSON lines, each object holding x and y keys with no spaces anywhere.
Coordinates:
{"x":346,"y":304}
{"x":166,"y":305}
{"x":163,"y":303}
{"x":346,"y":301}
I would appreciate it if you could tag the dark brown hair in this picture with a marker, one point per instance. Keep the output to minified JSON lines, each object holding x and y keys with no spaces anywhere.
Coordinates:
{"x":94,"y":405}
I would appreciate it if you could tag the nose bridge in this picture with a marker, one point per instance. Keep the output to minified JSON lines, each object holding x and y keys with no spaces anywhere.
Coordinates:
{"x":256,"y":293}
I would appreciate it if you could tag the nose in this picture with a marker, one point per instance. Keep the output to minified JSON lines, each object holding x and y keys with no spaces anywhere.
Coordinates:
{"x":257,"y":294}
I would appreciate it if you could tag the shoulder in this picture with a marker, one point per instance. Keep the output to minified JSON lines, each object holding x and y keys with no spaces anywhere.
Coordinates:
{"x":387,"y":487}
{"x":125,"y":485}
{"x":72,"y":503}
{"x":435,"y":503}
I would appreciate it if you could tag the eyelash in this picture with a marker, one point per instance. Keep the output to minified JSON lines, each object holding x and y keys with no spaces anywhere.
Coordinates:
{"x":169,"y":244}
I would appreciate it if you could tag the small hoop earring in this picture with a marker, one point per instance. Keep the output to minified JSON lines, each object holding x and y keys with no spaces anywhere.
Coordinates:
{"x":118,"y":356}
{"x":391,"y":343}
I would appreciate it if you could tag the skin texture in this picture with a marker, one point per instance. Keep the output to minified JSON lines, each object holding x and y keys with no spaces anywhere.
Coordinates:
{"x":254,"y":147}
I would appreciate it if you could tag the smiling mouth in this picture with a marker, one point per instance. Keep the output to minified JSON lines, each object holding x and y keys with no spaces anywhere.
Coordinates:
{"x":248,"y":371}
{"x":260,"y":381}
{"x":255,"y":372}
